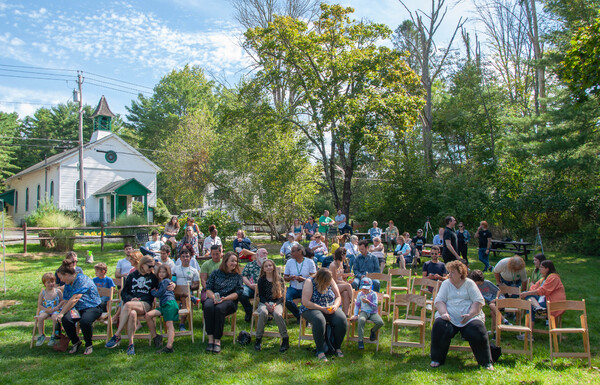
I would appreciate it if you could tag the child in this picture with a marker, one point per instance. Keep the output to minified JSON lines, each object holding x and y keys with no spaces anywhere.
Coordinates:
{"x":103,"y":281}
{"x":49,"y":301}
{"x":168,"y":308}
{"x":488,"y":291}
{"x":270,"y":293}
{"x":365,"y":308}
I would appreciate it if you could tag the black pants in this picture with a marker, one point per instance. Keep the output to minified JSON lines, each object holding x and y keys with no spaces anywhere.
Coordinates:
{"x":319,"y":320}
{"x":214,"y":316}
{"x":443,"y":331}
{"x":88,"y":316}
{"x":462,"y":251}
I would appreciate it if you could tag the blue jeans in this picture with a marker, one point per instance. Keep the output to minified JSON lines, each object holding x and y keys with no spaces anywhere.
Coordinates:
{"x":319,"y":258}
{"x":247,"y":293}
{"x":291,"y":294}
{"x":356,"y":284}
{"x":485,"y":258}
{"x":350,"y":259}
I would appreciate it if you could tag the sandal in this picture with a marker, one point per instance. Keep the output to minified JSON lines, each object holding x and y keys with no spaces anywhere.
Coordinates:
{"x":434,"y":364}
{"x":322,"y":357}
{"x":339,"y":353}
{"x":88,"y":350}
{"x":75,"y":348}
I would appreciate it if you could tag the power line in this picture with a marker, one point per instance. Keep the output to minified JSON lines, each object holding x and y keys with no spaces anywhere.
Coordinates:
{"x":116,"y":85}
{"x":37,"y":68}
{"x":122,"y":81}
{"x":33,"y":77}
{"x":34,"y":72}
{"x":115,"y":89}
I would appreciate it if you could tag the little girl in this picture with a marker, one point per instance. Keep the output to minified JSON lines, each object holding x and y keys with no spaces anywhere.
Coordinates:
{"x":48,"y":301}
{"x":365,"y":308}
{"x":168,"y":308}
{"x":270,"y":293}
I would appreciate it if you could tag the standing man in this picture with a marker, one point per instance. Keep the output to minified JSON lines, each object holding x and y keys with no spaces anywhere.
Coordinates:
{"x":325,"y":222}
{"x":363,"y":264}
{"x":463,"y":237}
{"x":341,"y":222}
{"x":485,"y":244}
{"x":391,"y":233}
{"x":250,"y":276}
{"x":297,"y":270}
{"x":449,"y":252}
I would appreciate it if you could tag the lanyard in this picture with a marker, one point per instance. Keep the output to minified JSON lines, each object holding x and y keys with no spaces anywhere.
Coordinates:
{"x":299,"y":269}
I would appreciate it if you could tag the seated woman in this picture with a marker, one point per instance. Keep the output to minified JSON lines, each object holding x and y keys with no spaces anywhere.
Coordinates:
{"x":81,"y":294}
{"x":318,"y":247}
{"x":189,"y":238}
{"x":191,"y":222}
{"x":402,"y":252}
{"x":351,"y":246}
{"x":536,"y":274}
{"x":337,"y":272}
{"x":378,"y":251}
{"x":137,"y":300}
{"x":458,"y":306}
{"x":170,"y":233}
{"x":270,"y":293}
{"x":296,"y":229}
{"x":548,"y":288}
{"x":321,"y":306}
{"x":242,"y":245}
{"x":310,"y":228}
{"x":223,"y":288}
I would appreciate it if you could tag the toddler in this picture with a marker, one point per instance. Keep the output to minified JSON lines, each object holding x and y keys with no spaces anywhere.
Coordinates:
{"x":365,"y":308}
{"x":169,"y":309}
{"x":48,"y":302}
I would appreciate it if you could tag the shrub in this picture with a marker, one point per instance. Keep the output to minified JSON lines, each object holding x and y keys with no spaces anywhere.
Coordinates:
{"x":137,"y":208}
{"x":220,"y":218}
{"x":130,"y":220}
{"x":45,"y":208}
{"x":62,"y":238}
{"x":8,"y":221}
{"x":161,"y":212}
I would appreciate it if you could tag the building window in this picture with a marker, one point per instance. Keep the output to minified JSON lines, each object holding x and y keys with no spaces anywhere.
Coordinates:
{"x":27,"y":199}
{"x":16,"y":201}
{"x":38,"y":197}
{"x":51,"y":190}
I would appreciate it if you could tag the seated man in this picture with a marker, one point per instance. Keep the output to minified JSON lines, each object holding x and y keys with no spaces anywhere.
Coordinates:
{"x":242,"y":245}
{"x":124,"y":265}
{"x":286,"y":248}
{"x":216,"y":254}
{"x":434,"y":269}
{"x":363,"y":264}
{"x":419,"y":241}
{"x":184,"y":274}
{"x":375,"y":232}
{"x":297,"y":270}
{"x":250,"y":276}
{"x":318,"y":247}
{"x":152,"y":247}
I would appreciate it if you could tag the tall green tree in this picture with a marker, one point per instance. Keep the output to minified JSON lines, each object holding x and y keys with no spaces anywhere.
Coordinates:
{"x":9,"y":129}
{"x":351,"y":95}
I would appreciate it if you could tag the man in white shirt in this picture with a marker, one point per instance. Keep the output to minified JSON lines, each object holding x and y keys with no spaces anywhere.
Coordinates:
{"x":124,"y":265}
{"x":184,"y":274}
{"x":152,"y":247}
{"x":297,"y":270}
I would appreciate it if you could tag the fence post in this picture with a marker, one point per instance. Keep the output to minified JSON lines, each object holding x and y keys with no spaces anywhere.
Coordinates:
{"x":102,"y":236}
{"x":25,"y":237}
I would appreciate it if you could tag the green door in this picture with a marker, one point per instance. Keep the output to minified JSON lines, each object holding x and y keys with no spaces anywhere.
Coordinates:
{"x":121,"y":204}
{"x":101,"y":209}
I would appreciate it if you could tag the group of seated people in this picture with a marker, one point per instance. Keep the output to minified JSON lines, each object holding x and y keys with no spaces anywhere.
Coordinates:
{"x":325,"y":295}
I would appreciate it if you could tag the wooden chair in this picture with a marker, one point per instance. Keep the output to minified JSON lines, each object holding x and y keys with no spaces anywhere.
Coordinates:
{"x":401,"y":320}
{"x":399,"y":274}
{"x":524,"y":307}
{"x":186,"y":310}
{"x":421,"y":286}
{"x":385,"y":301}
{"x":515,"y":292}
{"x":254,"y":321}
{"x":352,"y":324}
{"x":232,"y":320}
{"x":556,"y":331}
{"x":106,"y":317}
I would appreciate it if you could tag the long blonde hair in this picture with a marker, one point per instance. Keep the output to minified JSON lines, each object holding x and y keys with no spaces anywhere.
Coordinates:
{"x":277,"y":290}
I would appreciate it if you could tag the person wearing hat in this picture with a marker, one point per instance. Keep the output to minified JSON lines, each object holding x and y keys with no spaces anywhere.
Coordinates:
{"x":318,"y":247}
{"x":365,"y":309}
{"x":286,"y":248}
{"x":153,"y":246}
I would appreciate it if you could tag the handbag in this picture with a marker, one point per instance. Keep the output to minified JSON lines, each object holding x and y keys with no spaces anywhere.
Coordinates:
{"x":62,"y":344}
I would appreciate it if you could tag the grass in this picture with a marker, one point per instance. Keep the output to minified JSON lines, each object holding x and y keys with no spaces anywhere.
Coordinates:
{"x":242,"y":365}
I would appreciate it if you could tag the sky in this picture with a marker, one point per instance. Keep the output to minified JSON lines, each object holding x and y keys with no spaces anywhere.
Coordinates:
{"x":126,"y":47}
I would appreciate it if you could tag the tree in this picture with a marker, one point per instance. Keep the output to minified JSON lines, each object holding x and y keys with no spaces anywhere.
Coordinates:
{"x":9,"y":125}
{"x":351,"y":95}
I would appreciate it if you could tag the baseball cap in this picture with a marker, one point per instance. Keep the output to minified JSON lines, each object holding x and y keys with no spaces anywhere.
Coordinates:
{"x":366,"y":283}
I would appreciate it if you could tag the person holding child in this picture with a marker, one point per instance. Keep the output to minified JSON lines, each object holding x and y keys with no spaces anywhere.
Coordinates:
{"x":49,"y":301}
{"x":365,"y":309}
{"x":270,"y":293}
{"x":321,"y":305}
{"x":168,"y":309}
{"x":82,"y":306}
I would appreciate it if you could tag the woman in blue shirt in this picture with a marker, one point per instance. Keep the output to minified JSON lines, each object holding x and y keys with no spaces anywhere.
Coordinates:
{"x":84,"y":301}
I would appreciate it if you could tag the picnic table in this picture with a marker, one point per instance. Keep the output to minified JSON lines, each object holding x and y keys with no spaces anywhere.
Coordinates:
{"x":513,"y":247}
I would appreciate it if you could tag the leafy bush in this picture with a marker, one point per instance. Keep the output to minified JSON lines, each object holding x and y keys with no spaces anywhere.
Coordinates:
{"x":137,"y":208}
{"x":45,"y":208}
{"x":161,"y":212}
{"x":8,"y":221}
{"x":220,"y":218}
{"x":62,"y":238}
{"x":130,"y":220}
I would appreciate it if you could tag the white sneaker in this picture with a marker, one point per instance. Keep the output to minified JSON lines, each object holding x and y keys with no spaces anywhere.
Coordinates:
{"x":40,"y":340}
{"x":521,"y":337}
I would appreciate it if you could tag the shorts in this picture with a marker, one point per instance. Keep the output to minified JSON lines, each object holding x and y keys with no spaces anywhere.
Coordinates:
{"x":169,"y":310}
{"x":54,"y":312}
{"x":147,"y":306}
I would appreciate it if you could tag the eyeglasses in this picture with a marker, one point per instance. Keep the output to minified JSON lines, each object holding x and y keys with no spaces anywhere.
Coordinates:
{"x":150,"y":265}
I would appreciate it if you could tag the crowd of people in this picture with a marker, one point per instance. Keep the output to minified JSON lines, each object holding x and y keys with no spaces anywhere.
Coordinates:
{"x":319,"y":295}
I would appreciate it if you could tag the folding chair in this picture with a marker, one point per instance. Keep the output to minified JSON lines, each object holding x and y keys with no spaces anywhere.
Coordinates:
{"x":408,"y":301}
{"x":421,"y":286}
{"x":514,"y":292}
{"x":388,"y":290}
{"x":106,"y":317}
{"x":232,"y":319}
{"x":352,"y":336}
{"x":556,"y":331}
{"x":399,"y":274}
{"x":524,"y":307}
{"x":183,"y":293}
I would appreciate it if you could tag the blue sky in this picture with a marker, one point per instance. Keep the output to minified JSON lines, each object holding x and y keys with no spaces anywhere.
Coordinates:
{"x":133,"y":44}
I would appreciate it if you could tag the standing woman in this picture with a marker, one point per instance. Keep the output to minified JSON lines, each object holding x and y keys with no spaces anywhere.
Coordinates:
{"x":81,"y":294}
{"x":171,"y":231}
{"x":463,"y":237}
{"x":223,"y":288}
{"x":321,"y":304}
{"x":485,"y":244}
{"x":337,"y":272}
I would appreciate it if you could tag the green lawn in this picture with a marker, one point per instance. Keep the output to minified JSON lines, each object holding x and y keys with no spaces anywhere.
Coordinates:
{"x":241,"y":364}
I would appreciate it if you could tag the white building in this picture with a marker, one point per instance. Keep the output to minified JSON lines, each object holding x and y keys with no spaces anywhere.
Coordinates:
{"x":115,"y":174}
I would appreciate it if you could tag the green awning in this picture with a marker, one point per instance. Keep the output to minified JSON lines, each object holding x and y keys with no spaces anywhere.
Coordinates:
{"x":8,"y":197}
{"x":123,"y":187}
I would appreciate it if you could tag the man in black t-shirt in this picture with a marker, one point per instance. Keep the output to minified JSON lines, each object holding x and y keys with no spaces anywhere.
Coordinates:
{"x":485,"y":244}
{"x":419,"y":241}
{"x":449,"y":252}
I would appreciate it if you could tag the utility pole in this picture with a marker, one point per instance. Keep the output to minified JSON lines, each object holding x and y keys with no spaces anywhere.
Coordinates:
{"x":81,"y":180}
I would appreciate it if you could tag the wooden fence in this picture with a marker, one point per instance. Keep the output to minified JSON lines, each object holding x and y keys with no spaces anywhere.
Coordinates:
{"x":102,"y":234}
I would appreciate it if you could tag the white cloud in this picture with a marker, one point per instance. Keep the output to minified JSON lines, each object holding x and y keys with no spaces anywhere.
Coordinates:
{"x":11,"y":99}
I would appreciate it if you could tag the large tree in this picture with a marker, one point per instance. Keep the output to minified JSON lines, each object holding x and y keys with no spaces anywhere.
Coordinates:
{"x":351,"y":95}
{"x":9,"y":126}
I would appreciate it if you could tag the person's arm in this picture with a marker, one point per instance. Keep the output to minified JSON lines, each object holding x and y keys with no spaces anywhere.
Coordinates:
{"x":203,"y":278}
{"x":307,"y":292}
{"x":498,"y":278}
{"x":451,"y":248}
{"x":125,"y":295}
{"x":441,"y":308}
{"x":40,"y":299}
{"x":195,"y":283}
{"x":118,"y":273}
{"x":338,"y":297}
{"x":474,"y":309}
{"x":236,"y":294}
{"x":69,"y":305}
